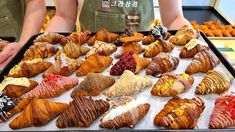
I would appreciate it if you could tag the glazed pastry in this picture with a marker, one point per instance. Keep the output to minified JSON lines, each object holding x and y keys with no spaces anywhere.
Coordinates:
{"x":3,"y":43}
{"x":128,"y":84}
{"x":40,"y":50}
{"x":29,"y":68}
{"x":157,"y":47}
{"x":9,"y":107}
{"x":129,"y":61}
{"x":162,"y":63}
{"x":79,"y":38}
{"x":184,"y":35}
{"x":16,"y":87}
{"x":94,"y":64}
{"x":128,"y":47}
{"x":127,"y":33}
{"x":102,"y":48}
{"x":223,"y":113}
{"x":172,"y":85}
{"x":92,"y":85}
{"x":52,"y":86}
{"x":192,"y":48}
{"x":63,"y":66}
{"x":82,"y":112}
{"x":74,"y":51}
{"x":180,"y":113}
{"x":103,"y":35}
{"x":127,"y":112}
{"x":202,"y":62}
{"x":133,"y":37}
{"x":214,"y":82}
{"x":38,"y":113}
{"x":49,"y":37}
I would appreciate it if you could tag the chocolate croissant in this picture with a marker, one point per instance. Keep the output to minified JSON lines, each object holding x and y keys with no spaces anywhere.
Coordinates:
{"x":172,"y":85}
{"x":157,"y":47}
{"x":82,"y":112}
{"x":202,"y":62}
{"x":180,"y":113}
{"x":126,"y":112}
{"x":74,"y":51}
{"x":152,"y":38}
{"x":132,"y":38}
{"x":214,"y":82}
{"x":162,"y":63}
{"x":189,"y":53}
{"x":49,"y":37}
{"x":79,"y":38}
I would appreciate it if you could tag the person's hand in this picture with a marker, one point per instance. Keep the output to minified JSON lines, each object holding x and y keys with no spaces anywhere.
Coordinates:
{"x":8,"y":52}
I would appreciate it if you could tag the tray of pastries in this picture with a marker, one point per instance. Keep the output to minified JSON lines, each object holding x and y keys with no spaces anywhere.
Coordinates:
{"x":153,"y":80}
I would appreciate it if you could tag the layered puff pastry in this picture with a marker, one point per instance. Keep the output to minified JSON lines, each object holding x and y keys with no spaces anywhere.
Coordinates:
{"x":74,"y":51}
{"x":49,"y":37}
{"x":78,"y":38}
{"x":126,"y":112}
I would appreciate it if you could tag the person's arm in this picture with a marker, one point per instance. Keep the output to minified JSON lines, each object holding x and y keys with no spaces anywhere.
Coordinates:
{"x":172,"y":14}
{"x":65,"y":17}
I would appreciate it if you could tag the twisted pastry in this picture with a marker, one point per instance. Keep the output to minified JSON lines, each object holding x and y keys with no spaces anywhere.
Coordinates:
{"x":79,"y":38}
{"x":49,"y":37}
{"x":74,"y":51}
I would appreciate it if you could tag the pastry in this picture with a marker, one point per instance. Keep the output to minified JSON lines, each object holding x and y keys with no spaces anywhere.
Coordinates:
{"x":16,"y":87}
{"x":192,"y":48}
{"x":162,"y":63}
{"x":103,"y":35}
{"x":63,"y":66}
{"x":49,"y":37}
{"x":82,"y":112}
{"x":129,"y":61}
{"x":180,"y":113}
{"x":29,"y":68}
{"x":92,"y":85}
{"x":202,"y":62}
{"x":94,"y":64}
{"x":9,"y":106}
{"x":74,"y":51}
{"x":184,"y":35}
{"x":38,"y":113}
{"x":172,"y":85}
{"x":127,"y":112}
{"x":127,"y":33}
{"x":157,"y":47}
{"x":52,"y":86}
{"x":214,"y":82}
{"x":3,"y":43}
{"x":40,"y":50}
{"x":223,"y":113}
{"x":128,"y":84}
{"x":79,"y":38}
{"x":102,"y":48}
{"x":131,"y":37}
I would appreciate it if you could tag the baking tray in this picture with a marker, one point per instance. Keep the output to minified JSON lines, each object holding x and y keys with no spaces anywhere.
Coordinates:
{"x":157,"y":103}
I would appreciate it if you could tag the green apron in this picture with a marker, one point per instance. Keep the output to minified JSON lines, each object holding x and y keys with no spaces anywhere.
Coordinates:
{"x":116,"y":15}
{"x":11,"y":18}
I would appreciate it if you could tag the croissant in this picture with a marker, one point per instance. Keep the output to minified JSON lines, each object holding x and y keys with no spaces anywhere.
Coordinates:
{"x":16,"y":87}
{"x":102,"y":48}
{"x":29,"y":68}
{"x":162,"y":63}
{"x":49,"y":37}
{"x":214,"y":82}
{"x":132,"y":38}
{"x":103,"y":35}
{"x":82,"y":112}
{"x":38,"y":113}
{"x":129,"y":61}
{"x":63,"y":66}
{"x":52,"y":86}
{"x":223,"y":113}
{"x":74,"y":51}
{"x":157,"y":47}
{"x":128,"y":84}
{"x":127,"y":33}
{"x":233,"y":32}
{"x":92,"y":85}
{"x":202,"y":62}
{"x":180,"y":113}
{"x":94,"y":64}
{"x":172,"y":85}
{"x":184,"y":35}
{"x":126,"y":112}
{"x":79,"y":38}
{"x":150,"y":38}
{"x":40,"y":50}
{"x":9,"y":107}
{"x":3,"y":44}
{"x":128,"y":47}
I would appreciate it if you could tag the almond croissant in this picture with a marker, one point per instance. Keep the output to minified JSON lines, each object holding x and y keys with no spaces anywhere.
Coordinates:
{"x":49,"y":37}
{"x":214,"y":82}
{"x":162,"y":63}
{"x":78,"y":38}
{"x":127,"y":112}
{"x":74,"y":51}
{"x":202,"y":62}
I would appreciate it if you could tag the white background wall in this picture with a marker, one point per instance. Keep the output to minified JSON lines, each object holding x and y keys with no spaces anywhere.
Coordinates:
{"x":227,"y":7}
